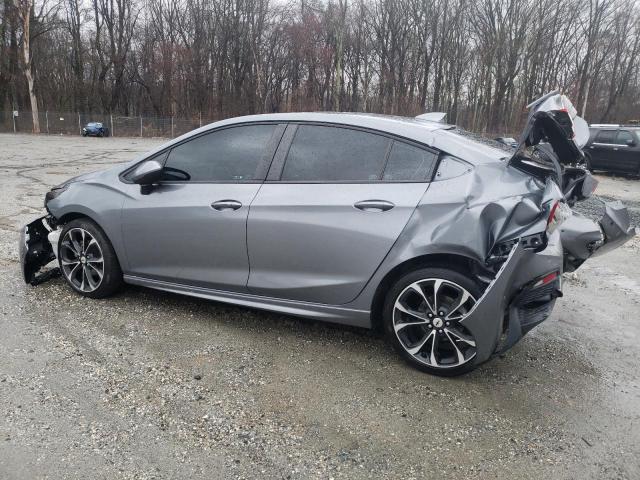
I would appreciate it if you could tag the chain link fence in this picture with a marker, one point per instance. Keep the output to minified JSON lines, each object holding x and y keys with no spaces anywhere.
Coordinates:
{"x":71,"y":123}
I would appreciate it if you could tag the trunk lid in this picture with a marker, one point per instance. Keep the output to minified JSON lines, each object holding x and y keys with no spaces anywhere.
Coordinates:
{"x":553,"y":129}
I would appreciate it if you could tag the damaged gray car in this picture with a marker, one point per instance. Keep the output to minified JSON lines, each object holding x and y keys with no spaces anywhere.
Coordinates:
{"x":454,"y":248}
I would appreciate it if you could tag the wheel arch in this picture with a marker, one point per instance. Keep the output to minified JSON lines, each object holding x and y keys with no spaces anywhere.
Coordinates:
{"x":75,"y":214}
{"x":69,"y":216}
{"x":460,"y":263}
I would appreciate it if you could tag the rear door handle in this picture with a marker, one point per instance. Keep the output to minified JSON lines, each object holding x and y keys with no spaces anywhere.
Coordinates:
{"x":374,"y":205}
{"x":226,"y":205}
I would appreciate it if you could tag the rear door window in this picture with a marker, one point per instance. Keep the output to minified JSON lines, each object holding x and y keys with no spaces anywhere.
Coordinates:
{"x":605,"y":136}
{"x":334,"y":154}
{"x":408,"y":163}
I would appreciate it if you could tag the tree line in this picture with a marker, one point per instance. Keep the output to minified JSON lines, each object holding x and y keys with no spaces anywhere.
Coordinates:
{"x":480,"y":61}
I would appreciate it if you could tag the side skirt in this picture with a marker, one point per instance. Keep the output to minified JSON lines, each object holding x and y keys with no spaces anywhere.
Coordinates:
{"x":328,"y":313}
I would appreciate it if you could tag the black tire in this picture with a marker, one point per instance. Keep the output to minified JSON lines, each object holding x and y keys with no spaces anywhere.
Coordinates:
{"x":111,"y":280}
{"x":399,"y":287}
{"x":587,"y":162}
{"x":84,"y":134}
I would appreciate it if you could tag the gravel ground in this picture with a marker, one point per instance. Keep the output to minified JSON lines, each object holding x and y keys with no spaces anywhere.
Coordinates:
{"x":154,"y":385}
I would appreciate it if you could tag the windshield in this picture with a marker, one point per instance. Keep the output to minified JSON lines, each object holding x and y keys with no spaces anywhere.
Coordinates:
{"x":94,"y":124}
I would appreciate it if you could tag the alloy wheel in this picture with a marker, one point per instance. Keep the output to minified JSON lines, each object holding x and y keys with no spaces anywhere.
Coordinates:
{"x":427,"y":320}
{"x":81,"y":260}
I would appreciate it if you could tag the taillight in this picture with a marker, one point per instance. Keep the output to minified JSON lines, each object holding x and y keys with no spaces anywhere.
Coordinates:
{"x":558,"y":213}
{"x":546,"y":279}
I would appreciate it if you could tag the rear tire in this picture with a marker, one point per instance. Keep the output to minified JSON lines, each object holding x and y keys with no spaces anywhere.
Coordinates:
{"x":587,"y":162}
{"x":429,"y":334}
{"x":87,"y":260}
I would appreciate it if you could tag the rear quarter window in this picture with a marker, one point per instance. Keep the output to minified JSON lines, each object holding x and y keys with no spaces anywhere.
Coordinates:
{"x":408,"y":163}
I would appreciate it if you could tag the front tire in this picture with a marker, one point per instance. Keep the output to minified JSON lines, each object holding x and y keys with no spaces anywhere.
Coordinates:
{"x":423,"y":319}
{"x":87,"y":259}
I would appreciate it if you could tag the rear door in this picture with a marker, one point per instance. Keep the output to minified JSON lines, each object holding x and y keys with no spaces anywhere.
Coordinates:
{"x":334,"y":203}
{"x":601,"y":150}
{"x":628,"y":151}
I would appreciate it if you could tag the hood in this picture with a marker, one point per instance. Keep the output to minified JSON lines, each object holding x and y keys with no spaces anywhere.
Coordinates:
{"x":553,"y":126}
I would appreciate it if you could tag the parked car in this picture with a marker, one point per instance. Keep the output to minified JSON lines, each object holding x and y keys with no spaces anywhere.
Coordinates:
{"x":448,"y":245}
{"x":508,"y":141}
{"x":613,"y":148}
{"x":95,"y":129}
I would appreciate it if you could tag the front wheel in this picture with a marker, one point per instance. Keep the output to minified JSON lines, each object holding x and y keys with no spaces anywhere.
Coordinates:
{"x":424,"y":316}
{"x":87,"y":259}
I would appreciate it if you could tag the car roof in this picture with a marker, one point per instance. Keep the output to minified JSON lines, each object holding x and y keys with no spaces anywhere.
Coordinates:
{"x":430,"y":133}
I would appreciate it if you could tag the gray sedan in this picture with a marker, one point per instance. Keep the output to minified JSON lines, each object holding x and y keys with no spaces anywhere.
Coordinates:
{"x":451,"y":247}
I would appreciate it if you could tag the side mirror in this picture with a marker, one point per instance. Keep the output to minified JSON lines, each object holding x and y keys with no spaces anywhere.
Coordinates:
{"x":147,"y":173}
{"x":630,"y":143}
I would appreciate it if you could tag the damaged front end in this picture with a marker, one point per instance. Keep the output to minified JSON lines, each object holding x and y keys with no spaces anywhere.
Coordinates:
{"x":37,"y":241}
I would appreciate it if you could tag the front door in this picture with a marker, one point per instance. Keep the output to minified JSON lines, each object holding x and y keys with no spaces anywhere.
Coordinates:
{"x":191,"y":228}
{"x":320,"y":230}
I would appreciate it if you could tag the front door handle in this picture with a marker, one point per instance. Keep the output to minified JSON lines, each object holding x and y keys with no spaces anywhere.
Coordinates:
{"x":374,"y":205}
{"x":226,"y":205}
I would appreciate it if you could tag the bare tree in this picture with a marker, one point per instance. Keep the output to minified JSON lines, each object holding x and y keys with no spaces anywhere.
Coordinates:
{"x":480,"y":61}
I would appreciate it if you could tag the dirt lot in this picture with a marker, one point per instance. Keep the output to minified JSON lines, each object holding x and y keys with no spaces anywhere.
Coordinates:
{"x":154,"y":385}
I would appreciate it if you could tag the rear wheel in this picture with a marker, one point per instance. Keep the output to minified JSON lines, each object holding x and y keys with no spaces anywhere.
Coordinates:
{"x":424,"y":316}
{"x":87,"y":259}
{"x":587,"y":162}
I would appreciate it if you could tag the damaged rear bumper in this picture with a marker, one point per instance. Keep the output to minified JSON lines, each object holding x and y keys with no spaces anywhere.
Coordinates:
{"x":583,"y":238}
{"x":524,"y":291}
{"x":38,"y":247}
{"x":510,"y":307}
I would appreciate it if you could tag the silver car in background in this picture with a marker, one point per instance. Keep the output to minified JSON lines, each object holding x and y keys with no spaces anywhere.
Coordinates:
{"x":453,"y":248}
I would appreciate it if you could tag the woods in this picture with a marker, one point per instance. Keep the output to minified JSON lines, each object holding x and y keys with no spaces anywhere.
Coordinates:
{"x":480,"y":61}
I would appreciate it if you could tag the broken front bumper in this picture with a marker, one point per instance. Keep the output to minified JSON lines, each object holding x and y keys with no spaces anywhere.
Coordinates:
{"x":36,"y":249}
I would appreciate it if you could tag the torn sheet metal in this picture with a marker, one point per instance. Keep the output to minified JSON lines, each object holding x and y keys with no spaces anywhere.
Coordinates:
{"x":36,"y":251}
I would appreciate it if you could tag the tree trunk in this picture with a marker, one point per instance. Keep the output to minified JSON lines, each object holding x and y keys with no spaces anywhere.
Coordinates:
{"x":24,"y":10}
